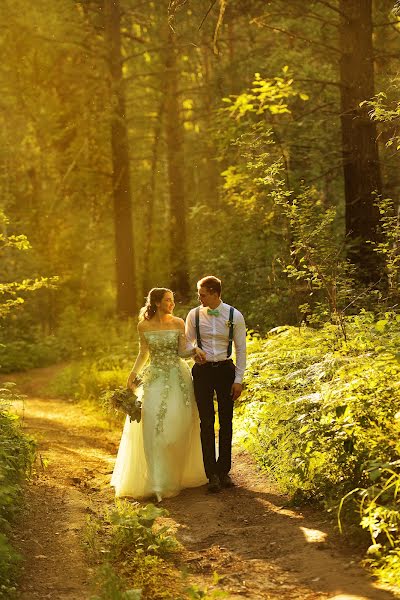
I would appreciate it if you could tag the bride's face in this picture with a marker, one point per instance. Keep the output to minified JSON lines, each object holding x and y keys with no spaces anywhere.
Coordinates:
{"x":167,"y":304}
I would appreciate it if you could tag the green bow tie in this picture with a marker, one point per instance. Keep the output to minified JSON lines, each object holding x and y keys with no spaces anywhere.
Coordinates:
{"x":213,"y":311}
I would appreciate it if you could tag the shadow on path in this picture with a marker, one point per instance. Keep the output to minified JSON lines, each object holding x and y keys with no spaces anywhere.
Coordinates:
{"x":262,"y":550}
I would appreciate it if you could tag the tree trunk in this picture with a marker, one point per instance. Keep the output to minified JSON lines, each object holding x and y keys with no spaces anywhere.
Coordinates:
{"x":149,"y":224}
{"x":122,"y":198}
{"x":359,"y":137}
{"x":175,"y":150}
{"x":210,"y":170}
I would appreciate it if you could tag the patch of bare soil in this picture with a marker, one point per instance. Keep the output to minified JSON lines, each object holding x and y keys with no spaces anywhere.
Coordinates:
{"x":258,"y":548}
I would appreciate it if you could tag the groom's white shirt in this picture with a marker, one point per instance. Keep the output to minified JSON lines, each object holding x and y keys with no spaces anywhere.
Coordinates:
{"x":214,"y":334}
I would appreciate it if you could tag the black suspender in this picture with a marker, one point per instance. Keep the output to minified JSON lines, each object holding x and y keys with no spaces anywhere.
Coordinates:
{"x":229,"y":350}
{"x":230,"y":340}
{"x":197,"y":318}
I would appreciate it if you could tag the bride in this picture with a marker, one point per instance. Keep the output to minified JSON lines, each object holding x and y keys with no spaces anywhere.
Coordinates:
{"x":162,"y":454}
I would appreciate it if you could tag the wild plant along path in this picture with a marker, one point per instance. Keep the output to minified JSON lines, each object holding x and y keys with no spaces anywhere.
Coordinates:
{"x":259,"y":549}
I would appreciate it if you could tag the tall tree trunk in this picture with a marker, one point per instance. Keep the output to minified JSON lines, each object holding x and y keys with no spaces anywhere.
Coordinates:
{"x":385,"y":44}
{"x":175,"y":150}
{"x":362,"y":177}
{"x":210,"y":169}
{"x":149,"y":226}
{"x":122,"y":197}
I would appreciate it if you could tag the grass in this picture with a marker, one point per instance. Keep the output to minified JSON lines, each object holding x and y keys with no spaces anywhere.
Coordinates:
{"x":138,"y":556}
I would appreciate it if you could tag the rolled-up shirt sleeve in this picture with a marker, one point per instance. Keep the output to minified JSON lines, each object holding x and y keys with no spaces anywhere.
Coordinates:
{"x":239,"y":340}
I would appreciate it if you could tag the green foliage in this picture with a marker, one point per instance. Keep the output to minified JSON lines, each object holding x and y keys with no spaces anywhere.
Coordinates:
{"x":379,"y":510}
{"x":86,"y":381}
{"x":17,"y":452}
{"x":56,"y":162}
{"x":317,"y":257}
{"x":386,"y":110}
{"x":82,"y":337}
{"x":24,"y":354}
{"x":135,"y":547}
{"x":9,"y":562}
{"x":388,"y":248}
{"x":297,"y":253}
{"x":321,"y":414}
{"x":266,"y":95}
{"x":253,"y":180}
{"x":12,"y":293}
{"x":385,"y":563}
{"x":132,"y":529}
{"x":134,"y":550}
{"x":103,"y":357}
{"x":112,"y":587}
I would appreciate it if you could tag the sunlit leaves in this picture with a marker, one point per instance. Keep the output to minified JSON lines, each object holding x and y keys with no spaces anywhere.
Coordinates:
{"x":270,"y":95}
{"x":10,"y":292}
{"x":388,"y":247}
{"x":14,"y":241}
{"x":384,"y":110}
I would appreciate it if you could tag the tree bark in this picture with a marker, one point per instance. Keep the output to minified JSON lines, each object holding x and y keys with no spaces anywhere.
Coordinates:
{"x":122,"y":197}
{"x":362,"y":178}
{"x":210,"y":169}
{"x":175,"y":157}
{"x":149,"y":225}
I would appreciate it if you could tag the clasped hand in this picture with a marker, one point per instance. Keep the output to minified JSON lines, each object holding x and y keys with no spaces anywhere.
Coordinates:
{"x":199,"y":356}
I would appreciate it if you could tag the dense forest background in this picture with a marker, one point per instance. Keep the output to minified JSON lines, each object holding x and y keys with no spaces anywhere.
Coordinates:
{"x":151,"y":143}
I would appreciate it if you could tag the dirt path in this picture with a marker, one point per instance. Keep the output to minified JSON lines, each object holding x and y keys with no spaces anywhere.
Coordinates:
{"x":258,"y":549}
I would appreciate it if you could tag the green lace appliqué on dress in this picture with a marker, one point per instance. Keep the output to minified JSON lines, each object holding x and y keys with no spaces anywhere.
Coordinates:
{"x":164,"y":360}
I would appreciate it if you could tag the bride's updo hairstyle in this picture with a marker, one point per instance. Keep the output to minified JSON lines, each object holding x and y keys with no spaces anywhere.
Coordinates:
{"x":154,"y":296}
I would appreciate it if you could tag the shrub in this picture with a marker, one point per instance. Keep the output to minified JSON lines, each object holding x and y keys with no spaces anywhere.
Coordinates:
{"x":17,"y":452}
{"x":320,"y":412}
{"x":79,"y":336}
{"x":134,"y":547}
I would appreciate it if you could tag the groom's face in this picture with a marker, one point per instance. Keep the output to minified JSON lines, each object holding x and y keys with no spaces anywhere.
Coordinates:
{"x":206,"y":297}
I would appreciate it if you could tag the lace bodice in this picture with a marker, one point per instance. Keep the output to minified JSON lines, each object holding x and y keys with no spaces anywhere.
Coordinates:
{"x":163,"y":348}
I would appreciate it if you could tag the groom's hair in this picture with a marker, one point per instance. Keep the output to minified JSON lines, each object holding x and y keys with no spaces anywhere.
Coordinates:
{"x":211,"y":283}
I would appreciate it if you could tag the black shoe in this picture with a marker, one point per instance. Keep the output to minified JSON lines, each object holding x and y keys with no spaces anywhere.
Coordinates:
{"x":214,"y":485}
{"x":226,"y":481}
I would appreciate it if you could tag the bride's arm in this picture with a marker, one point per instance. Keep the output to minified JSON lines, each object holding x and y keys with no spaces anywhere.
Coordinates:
{"x":186,"y":348}
{"x":140,"y":361}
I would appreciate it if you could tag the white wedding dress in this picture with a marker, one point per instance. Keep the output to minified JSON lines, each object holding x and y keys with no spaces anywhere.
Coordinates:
{"x":162,"y":454}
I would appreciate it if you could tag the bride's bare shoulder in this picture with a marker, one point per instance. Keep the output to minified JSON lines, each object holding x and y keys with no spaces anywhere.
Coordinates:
{"x":143,"y":326}
{"x":178,"y":322}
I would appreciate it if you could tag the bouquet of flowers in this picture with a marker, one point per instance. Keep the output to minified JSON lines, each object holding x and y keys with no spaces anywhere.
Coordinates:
{"x":125,"y":400}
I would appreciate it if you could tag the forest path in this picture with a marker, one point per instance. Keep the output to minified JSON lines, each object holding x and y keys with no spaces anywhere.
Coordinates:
{"x":258,"y":548}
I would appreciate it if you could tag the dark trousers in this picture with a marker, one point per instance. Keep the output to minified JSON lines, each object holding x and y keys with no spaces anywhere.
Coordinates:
{"x":206,"y":380}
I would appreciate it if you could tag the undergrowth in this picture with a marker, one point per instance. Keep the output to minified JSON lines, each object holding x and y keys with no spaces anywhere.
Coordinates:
{"x":137,"y":556}
{"x":79,"y":337}
{"x":322,"y":415}
{"x":17,"y":453}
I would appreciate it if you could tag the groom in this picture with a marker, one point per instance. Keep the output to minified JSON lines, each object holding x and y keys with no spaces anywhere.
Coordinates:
{"x":216,"y":327}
